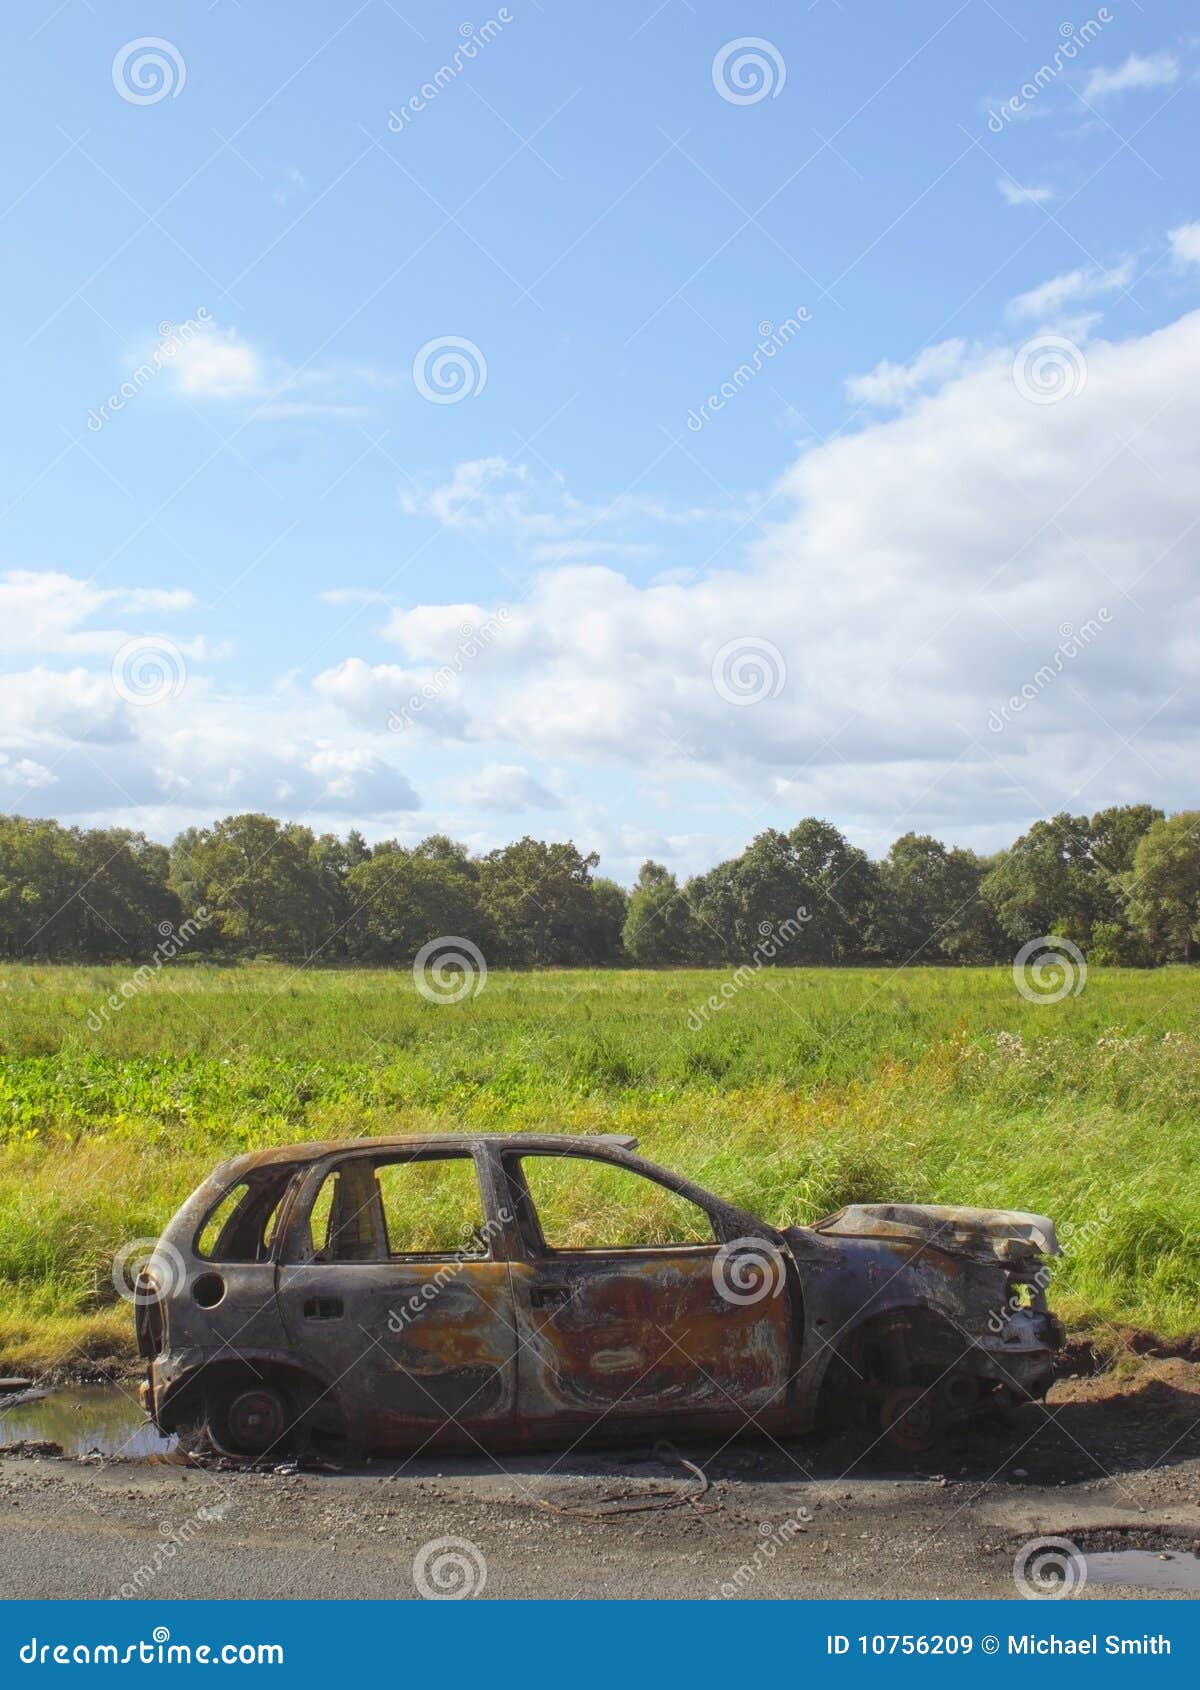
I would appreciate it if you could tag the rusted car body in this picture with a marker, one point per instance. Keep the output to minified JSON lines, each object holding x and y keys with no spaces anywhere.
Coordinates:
{"x":277,"y":1307}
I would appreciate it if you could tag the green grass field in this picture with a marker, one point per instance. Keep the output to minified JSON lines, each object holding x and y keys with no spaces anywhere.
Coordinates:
{"x":809,"y":1089}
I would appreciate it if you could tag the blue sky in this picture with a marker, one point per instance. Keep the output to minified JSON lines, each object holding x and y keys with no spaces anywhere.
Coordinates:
{"x":418,"y":404}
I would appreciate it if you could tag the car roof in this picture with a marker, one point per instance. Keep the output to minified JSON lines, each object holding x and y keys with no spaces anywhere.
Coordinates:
{"x":315,"y":1150}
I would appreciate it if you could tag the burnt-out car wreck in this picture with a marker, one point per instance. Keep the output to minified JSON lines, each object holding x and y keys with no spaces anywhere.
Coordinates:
{"x":396,"y":1293}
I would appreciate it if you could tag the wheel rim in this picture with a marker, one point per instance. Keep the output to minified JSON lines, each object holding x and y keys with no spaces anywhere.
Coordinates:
{"x":909,"y":1419}
{"x":255,"y":1421}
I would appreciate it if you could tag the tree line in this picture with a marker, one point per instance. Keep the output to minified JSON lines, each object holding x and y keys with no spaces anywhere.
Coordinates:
{"x":1123,"y":884}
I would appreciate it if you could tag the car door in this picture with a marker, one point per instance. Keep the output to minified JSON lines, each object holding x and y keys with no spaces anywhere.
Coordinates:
{"x":623,"y":1306}
{"x":390,"y":1291}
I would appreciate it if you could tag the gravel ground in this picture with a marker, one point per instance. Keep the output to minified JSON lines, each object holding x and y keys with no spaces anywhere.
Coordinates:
{"x":1111,"y":1464}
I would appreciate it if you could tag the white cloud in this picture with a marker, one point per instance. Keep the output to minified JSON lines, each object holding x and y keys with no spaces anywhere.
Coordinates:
{"x":1087,"y":282}
{"x":203,"y":754}
{"x":157,"y":598}
{"x":498,"y":494}
{"x":23,"y":773}
{"x":929,"y":568}
{"x":385,"y":695}
{"x":221,"y":364}
{"x":42,"y":612}
{"x":69,"y":726}
{"x":482,"y":493}
{"x":891,"y":385}
{"x":1185,"y":243}
{"x":1140,"y":70}
{"x":1015,"y":194}
{"x":922,"y":575}
{"x":506,"y":787}
{"x":218,"y":364}
{"x":45,"y":707}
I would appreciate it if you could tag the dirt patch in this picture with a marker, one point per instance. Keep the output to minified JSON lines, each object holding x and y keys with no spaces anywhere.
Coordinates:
{"x":1113,"y":1347}
{"x":1107,"y":1539}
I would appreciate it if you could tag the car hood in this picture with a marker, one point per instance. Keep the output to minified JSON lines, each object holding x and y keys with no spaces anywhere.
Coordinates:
{"x":1001,"y":1234}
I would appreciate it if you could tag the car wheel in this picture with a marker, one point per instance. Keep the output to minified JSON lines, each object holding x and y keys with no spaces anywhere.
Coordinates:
{"x":253,"y":1422}
{"x":909,"y":1418}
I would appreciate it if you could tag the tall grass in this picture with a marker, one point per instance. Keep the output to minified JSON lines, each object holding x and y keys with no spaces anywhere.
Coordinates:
{"x":809,"y":1089}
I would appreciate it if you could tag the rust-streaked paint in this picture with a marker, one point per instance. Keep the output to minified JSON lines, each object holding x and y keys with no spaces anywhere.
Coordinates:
{"x":533,"y":1345}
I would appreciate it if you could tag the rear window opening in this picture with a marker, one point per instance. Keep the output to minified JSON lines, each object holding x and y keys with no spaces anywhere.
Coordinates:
{"x":240,"y":1226}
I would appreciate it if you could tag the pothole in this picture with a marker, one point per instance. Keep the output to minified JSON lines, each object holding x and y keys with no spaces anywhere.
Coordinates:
{"x":83,"y":1420}
{"x":1145,"y":1569}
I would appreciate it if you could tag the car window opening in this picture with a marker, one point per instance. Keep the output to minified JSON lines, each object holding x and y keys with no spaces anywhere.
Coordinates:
{"x":396,"y":1210}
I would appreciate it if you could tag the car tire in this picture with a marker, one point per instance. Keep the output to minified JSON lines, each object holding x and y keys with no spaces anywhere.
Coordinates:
{"x":908,"y":1416}
{"x":255,"y":1423}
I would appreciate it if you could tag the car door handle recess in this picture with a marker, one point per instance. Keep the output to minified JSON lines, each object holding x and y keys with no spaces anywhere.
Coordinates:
{"x":543,"y":1295}
{"x":323,"y":1308}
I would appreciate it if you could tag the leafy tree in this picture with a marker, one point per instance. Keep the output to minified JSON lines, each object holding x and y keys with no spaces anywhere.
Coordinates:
{"x":1116,"y":835}
{"x":122,"y":906}
{"x":929,"y":907}
{"x":840,"y":885}
{"x":1067,"y":875}
{"x":736,"y":904}
{"x":403,"y":898}
{"x":659,"y":926}
{"x":1122,"y":883}
{"x":263,"y":888}
{"x":602,"y":936}
{"x":182,"y":874}
{"x":96,"y":894}
{"x":539,"y":901}
{"x":1164,"y":886}
{"x":356,"y":848}
{"x":811,"y":876}
{"x":38,"y":878}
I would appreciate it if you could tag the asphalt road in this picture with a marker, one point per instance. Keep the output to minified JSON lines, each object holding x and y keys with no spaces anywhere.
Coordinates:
{"x":774,"y":1523}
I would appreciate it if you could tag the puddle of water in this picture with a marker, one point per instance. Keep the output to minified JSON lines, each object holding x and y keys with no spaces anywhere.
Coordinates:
{"x":1145,"y":1569}
{"x":83,"y":1418}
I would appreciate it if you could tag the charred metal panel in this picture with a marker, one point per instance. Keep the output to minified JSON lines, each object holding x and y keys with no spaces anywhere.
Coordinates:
{"x":531,"y":1345}
{"x":628,"y":1332}
{"x":415,"y":1343}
